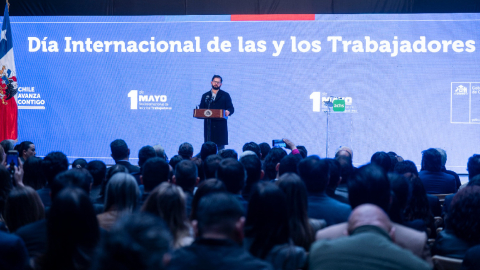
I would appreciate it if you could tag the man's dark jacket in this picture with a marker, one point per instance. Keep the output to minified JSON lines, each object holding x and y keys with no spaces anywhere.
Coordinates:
{"x":219,"y":130}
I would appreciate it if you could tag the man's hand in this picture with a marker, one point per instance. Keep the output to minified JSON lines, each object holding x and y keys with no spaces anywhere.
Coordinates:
{"x":290,"y":145}
{"x":227,"y":113}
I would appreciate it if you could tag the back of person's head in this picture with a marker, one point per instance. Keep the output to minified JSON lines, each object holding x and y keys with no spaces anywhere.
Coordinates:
{"x":232,"y":173}
{"x":72,"y":231}
{"x":200,"y":170}
{"x":473,"y":166}
{"x":210,"y":165}
{"x":463,"y":216}
{"x":418,"y":206}
{"x":186,"y":174}
{"x":431,"y":160}
{"x":175,"y":160}
{"x":346,"y":168}
{"x":98,"y":170}
{"x":219,"y":213}
{"x":228,"y":153}
{"x":119,"y":149}
{"x":289,"y":164}
{"x":314,"y":173}
{"x":79,"y":163}
{"x":303,"y":151}
{"x":208,"y":148}
{"x":23,"y":206}
{"x":136,"y":242}
{"x":406,"y":166}
{"x":252,"y":147}
{"x":369,"y":185}
{"x":335,"y":172}
{"x":393,"y":162}
{"x":79,"y":178}
{"x":160,"y":151}
{"x":271,"y":161}
{"x":206,"y":187}
{"x":5,"y":186}
{"x":369,"y":215}
{"x":185,"y":150}
{"x":475,"y":181}
{"x":382,"y":160}
{"x":145,"y":153}
{"x":253,"y":168}
{"x":443,"y":154}
{"x":297,"y":209}
{"x":264,"y":149}
{"x":7,"y":145}
{"x":33,"y":173}
{"x":400,"y":194}
{"x":154,"y":172}
{"x":267,"y":220}
{"x":122,"y":193}
{"x":344,"y":151}
{"x":53,"y":164}
{"x":110,"y":172}
{"x":168,"y":202}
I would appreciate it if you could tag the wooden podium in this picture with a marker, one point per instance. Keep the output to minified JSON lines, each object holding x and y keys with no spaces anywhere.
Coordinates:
{"x":209,"y":114}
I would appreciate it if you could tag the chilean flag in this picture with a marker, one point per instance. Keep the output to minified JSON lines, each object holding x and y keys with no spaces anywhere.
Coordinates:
{"x":8,"y":84}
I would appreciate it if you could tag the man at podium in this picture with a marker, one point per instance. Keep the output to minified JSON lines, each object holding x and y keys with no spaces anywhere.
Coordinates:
{"x":216,"y":99}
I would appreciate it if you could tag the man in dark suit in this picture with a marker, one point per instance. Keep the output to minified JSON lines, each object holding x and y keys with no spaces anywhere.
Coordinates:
{"x":434,"y":180}
{"x":217,"y":99}
{"x":121,"y":154}
{"x":315,"y":174}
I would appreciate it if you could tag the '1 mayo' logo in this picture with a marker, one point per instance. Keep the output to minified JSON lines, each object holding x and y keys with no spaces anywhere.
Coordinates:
{"x":140,"y":101}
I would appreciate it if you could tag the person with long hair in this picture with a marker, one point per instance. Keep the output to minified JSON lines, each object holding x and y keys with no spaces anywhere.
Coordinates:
{"x":33,"y":173}
{"x":267,"y":234}
{"x":121,"y":197}
{"x":168,"y":202}
{"x":301,"y":231}
{"x":110,"y":172}
{"x":72,"y":232}
{"x":23,"y":206}
{"x":418,"y":207}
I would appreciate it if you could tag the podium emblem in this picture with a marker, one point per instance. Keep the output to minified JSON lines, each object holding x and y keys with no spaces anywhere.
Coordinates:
{"x":208,"y":113}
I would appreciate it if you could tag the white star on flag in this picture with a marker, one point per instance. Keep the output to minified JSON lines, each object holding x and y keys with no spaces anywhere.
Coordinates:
{"x":4,"y":35}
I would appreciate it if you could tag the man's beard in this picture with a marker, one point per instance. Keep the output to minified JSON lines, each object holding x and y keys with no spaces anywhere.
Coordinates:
{"x":215,"y":87}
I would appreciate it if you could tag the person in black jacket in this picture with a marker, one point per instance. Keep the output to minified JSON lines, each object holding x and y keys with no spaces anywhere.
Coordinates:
{"x":217,"y":99}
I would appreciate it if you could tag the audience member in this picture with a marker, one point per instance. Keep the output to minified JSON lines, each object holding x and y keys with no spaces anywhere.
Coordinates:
{"x":253,"y":168}
{"x":247,"y":153}
{"x":393,"y":160}
{"x":26,"y":150}
{"x":232,"y":173}
{"x":186,"y":177}
{"x":208,"y":148}
{"x":13,"y":254}
{"x":210,"y":166}
{"x":252,"y":147}
{"x":23,"y":206}
{"x":335,"y":180}
{"x":288,"y":164}
{"x":219,"y":230}
{"x":154,"y":172}
{"x":434,"y":180}
{"x":264,"y":149}
{"x":418,"y":206}
{"x":443,"y":153}
{"x":344,"y":151}
{"x":5,"y":188}
{"x":228,"y":153}
{"x":110,"y":172}
{"x":472,"y":259}
{"x":33,"y":173}
{"x":167,"y":201}
{"x":370,"y":185}
{"x":79,"y":163}
{"x":346,"y":172}
{"x":382,"y":160}
{"x":315,"y":174}
{"x":301,"y":230}
{"x":370,"y":245}
{"x":121,"y":197}
{"x":185,"y":150}
{"x":200,"y":171}
{"x":121,"y":155}
{"x":136,"y":242}
{"x":267,"y":232}
{"x":160,"y":152}
{"x":7,"y":145}
{"x":462,"y":225}
{"x":270,"y":165}
{"x":175,"y":160}
{"x":53,"y":164}
{"x":98,"y":170}
{"x":3,"y":157}
{"x":145,"y":153}
{"x":303,"y":151}
{"x":208,"y":186}
{"x":72,"y":232}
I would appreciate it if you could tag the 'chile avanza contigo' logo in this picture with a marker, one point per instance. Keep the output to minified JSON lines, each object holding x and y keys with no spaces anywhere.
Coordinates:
{"x":140,"y":101}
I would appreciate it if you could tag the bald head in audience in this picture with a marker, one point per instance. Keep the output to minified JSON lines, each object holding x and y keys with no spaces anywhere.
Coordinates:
{"x":370,"y":214}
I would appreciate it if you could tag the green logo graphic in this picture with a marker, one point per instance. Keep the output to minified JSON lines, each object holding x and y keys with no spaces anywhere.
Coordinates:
{"x":339,"y":105}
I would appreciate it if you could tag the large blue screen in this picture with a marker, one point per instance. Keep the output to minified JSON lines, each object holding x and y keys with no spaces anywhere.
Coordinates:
{"x":400,"y":83}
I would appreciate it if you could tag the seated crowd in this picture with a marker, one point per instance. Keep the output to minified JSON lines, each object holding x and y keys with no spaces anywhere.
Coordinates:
{"x":262,"y":208}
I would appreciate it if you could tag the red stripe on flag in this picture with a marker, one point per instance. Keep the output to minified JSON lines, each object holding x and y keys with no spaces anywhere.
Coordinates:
{"x":273,"y":17}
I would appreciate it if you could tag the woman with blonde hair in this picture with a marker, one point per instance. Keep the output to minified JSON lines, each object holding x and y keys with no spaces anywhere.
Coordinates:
{"x":168,"y":202}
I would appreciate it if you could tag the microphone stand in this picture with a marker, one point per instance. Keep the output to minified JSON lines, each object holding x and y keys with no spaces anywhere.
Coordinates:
{"x":209,"y":121}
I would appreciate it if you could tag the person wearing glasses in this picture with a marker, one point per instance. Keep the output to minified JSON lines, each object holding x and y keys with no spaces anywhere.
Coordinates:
{"x":216,"y":131}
